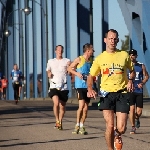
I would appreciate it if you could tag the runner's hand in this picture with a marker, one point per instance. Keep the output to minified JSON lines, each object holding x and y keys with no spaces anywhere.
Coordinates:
{"x":79,"y":75}
{"x":91,"y":93}
{"x":50,"y":75}
{"x":130,"y":86}
{"x":140,"y":85}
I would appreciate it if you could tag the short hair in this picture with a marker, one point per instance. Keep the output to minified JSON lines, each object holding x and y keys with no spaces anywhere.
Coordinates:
{"x":86,"y":46}
{"x":60,"y":46}
{"x":111,"y":30}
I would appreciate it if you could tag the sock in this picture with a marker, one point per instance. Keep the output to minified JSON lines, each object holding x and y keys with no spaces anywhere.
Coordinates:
{"x":81,"y":125}
{"x":78,"y":124}
{"x":117,"y":133}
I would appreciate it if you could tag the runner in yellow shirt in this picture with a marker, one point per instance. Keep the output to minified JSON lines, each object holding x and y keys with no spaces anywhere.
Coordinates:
{"x":112,"y":64}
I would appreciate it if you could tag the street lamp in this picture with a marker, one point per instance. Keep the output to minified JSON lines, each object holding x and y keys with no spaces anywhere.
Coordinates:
{"x":40,"y":6}
{"x":26,"y":10}
{"x":44,"y":45}
{"x":7,"y":33}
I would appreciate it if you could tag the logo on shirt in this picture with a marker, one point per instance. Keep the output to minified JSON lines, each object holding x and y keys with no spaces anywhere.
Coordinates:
{"x":113,"y":70}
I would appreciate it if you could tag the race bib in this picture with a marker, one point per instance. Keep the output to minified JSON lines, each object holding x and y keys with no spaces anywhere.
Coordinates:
{"x":15,"y":78}
{"x":103,"y":93}
{"x":58,"y":86}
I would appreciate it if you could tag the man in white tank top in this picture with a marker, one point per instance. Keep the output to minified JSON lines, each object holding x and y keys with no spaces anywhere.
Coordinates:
{"x":57,"y":73}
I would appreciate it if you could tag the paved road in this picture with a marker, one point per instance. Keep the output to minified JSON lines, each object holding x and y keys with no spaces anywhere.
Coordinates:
{"x":29,"y":126}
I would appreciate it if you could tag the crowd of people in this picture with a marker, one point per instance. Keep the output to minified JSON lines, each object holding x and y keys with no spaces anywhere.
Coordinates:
{"x":121,"y":87}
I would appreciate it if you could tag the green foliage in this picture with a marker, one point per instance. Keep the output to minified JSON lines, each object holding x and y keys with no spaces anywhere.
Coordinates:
{"x":125,"y":43}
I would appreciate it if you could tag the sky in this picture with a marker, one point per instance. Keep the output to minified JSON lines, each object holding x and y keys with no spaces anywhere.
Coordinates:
{"x":116,"y":20}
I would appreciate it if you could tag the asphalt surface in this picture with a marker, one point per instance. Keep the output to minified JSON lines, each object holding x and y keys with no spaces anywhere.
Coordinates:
{"x":30,"y":125}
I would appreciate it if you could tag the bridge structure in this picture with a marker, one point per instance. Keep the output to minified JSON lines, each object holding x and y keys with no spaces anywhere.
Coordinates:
{"x":30,"y":30}
{"x":137,"y":19}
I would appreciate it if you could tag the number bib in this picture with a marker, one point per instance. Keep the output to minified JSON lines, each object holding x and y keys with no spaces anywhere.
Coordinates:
{"x":103,"y":93}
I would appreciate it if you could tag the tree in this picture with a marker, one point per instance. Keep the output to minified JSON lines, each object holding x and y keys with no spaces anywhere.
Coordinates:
{"x":125,"y":43}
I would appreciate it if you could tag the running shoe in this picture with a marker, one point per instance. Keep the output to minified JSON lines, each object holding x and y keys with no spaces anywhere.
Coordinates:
{"x":137,"y":123}
{"x":82,"y":131}
{"x":118,"y":142}
{"x":57,"y":125}
{"x":60,"y":127}
{"x":133,"y":130}
{"x":76,"y":130}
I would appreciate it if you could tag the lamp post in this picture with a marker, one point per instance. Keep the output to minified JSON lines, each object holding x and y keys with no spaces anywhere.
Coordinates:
{"x":27,"y":10}
{"x":44,"y":46}
{"x":7,"y":32}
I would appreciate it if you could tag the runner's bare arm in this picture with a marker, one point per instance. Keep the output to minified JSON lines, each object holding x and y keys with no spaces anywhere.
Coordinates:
{"x":68,"y":64}
{"x":132,"y":74}
{"x":145,"y":74}
{"x":73,"y":66}
{"x":49,"y":74}
{"x":91,"y":92}
{"x":90,"y":82}
{"x":130,"y":86}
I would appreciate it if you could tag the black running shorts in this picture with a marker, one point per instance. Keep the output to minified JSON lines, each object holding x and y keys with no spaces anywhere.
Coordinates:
{"x":119,"y":102}
{"x":63,"y":95}
{"x":136,"y":99}
{"x":82,"y":94}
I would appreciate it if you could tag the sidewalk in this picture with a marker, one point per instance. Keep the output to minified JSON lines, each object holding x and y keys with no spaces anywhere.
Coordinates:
{"x":145,"y":112}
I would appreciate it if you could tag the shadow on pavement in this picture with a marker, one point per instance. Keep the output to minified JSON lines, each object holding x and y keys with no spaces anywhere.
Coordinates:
{"x":18,"y":144}
{"x":21,"y":108}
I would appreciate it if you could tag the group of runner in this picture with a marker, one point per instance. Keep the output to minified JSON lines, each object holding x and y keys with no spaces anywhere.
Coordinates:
{"x":121,"y":88}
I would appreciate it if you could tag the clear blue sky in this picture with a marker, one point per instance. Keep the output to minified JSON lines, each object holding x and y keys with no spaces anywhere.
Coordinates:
{"x":116,"y":20}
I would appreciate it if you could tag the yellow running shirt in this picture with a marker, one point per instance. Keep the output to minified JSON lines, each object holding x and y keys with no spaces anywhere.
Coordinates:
{"x":113,"y":69}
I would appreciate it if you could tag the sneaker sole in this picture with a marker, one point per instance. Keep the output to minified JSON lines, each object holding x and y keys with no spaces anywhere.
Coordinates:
{"x":83,"y":133}
{"x":120,"y":148}
{"x":132,"y":132}
{"x":60,"y":128}
{"x":117,"y":149}
{"x":75,"y":132}
{"x":57,"y":128}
